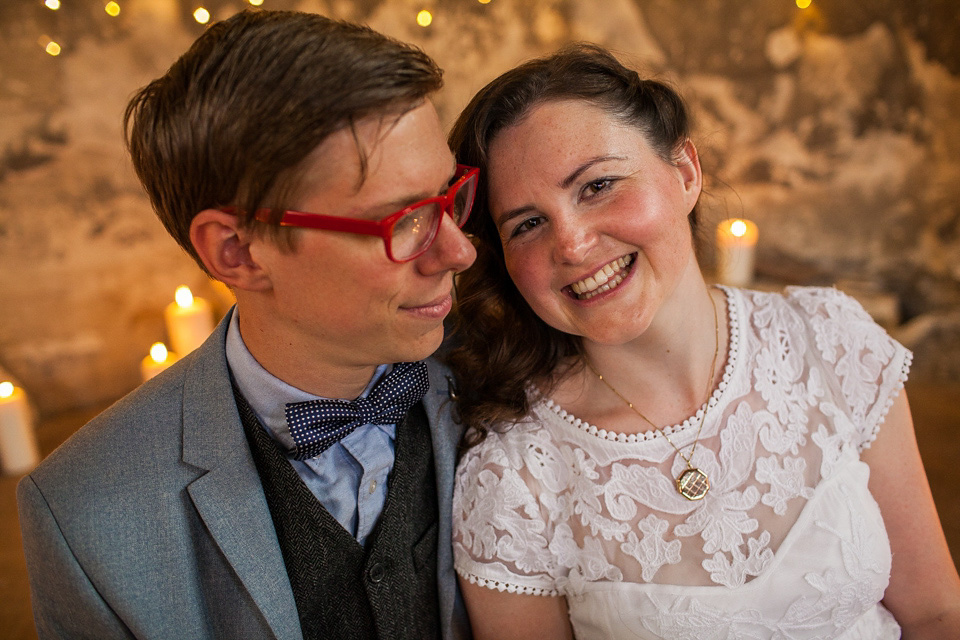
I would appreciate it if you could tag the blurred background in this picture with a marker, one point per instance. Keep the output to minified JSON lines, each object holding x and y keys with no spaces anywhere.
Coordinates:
{"x":833,"y":126}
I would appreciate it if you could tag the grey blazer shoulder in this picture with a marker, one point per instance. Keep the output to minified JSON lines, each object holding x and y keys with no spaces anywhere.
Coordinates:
{"x":150,"y":521}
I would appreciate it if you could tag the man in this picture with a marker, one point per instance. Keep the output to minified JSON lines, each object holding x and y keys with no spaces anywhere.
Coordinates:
{"x":299,"y":161}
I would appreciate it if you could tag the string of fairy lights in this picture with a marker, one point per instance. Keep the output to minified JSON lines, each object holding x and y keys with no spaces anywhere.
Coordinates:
{"x":113,"y":9}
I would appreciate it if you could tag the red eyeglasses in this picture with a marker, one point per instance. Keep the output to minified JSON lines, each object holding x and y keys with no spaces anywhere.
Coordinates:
{"x":407,"y":233}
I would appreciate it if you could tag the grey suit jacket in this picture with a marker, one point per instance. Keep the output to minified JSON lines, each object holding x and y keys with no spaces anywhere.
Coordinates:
{"x":150,"y":521}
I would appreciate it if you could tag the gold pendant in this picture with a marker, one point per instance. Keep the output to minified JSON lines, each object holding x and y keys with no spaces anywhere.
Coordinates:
{"x":693,"y":484}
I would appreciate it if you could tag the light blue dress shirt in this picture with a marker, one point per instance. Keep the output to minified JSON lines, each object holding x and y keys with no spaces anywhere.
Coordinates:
{"x":349,"y":478}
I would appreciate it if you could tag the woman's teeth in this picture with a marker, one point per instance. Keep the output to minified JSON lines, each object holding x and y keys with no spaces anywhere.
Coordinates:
{"x":606,"y":278}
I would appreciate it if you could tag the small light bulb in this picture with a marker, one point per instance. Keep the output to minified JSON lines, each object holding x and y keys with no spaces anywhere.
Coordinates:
{"x":6,"y":389}
{"x":112,"y":9}
{"x":158,"y":352}
{"x":738,"y":228}
{"x":484,"y":1}
{"x":424,"y":18}
{"x":52,"y":4}
{"x":52,"y":48}
{"x":803,"y":4}
{"x":201,"y":15}
{"x":183,"y":296}
{"x":255,"y":3}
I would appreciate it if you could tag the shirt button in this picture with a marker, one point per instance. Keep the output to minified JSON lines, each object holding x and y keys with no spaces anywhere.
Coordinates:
{"x":373,"y":485}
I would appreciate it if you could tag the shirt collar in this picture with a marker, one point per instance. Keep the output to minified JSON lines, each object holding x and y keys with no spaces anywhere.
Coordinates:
{"x":267,"y":394}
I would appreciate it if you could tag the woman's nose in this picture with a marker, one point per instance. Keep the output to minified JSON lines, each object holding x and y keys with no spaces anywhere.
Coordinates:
{"x":572,"y":241}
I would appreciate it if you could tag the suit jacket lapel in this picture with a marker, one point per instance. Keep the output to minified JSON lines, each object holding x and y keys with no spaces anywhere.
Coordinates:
{"x":229,"y":497}
{"x":445,"y":434}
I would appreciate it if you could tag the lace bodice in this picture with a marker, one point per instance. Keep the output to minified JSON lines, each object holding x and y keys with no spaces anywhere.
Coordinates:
{"x":788,"y":543}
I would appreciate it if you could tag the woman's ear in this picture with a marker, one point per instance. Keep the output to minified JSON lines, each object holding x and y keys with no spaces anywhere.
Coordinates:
{"x":688,"y":163}
{"x":224,"y":248}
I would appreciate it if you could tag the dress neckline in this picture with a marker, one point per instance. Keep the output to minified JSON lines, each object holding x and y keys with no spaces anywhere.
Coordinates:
{"x":733,"y":351}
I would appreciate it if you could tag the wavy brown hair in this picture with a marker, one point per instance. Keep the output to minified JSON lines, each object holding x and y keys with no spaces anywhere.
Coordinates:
{"x":501,"y":344}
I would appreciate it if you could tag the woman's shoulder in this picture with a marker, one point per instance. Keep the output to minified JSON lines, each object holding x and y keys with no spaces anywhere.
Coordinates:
{"x":828,"y":301}
{"x":850,"y":351}
{"x":508,"y":438}
{"x":806,"y":300}
{"x":822,"y":308}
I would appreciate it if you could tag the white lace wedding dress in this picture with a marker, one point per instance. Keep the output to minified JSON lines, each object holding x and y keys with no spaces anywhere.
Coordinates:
{"x":788,"y":543}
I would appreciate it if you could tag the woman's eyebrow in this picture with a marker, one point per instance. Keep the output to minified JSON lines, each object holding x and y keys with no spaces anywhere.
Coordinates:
{"x":563,"y":184}
{"x":499,"y":221}
{"x":566,"y":182}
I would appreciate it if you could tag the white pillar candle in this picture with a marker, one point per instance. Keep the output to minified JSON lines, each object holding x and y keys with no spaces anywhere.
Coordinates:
{"x":158,"y":360}
{"x":19,"y":453}
{"x":189,"y":321}
{"x":736,"y":248}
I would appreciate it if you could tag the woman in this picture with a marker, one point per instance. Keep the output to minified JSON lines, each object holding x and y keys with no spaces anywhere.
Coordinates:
{"x":650,"y":456}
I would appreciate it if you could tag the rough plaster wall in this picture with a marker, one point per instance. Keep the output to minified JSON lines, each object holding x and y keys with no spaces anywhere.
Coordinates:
{"x":836,"y":129}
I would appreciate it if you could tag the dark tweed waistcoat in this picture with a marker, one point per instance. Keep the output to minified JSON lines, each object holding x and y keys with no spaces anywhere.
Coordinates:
{"x":344,"y":591}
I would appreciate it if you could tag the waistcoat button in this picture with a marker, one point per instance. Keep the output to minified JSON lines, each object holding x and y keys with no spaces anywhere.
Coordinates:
{"x":376,"y":573}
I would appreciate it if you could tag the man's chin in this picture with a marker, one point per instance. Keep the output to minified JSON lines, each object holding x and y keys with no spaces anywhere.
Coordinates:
{"x":422,"y":347}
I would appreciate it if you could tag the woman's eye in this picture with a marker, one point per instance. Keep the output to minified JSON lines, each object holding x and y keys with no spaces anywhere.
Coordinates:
{"x":525,"y":226}
{"x":595,"y":187}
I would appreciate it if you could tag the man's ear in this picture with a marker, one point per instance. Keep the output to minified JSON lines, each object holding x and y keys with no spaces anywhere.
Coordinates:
{"x":224,"y":247}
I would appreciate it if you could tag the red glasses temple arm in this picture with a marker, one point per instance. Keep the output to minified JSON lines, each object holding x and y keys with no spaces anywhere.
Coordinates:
{"x":327,"y":223}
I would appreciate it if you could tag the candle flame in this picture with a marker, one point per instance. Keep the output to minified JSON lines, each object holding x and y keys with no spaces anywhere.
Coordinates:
{"x":183,"y":296}
{"x":158,"y":352}
{"x":6,"y":389}
{"x":738,"y":228}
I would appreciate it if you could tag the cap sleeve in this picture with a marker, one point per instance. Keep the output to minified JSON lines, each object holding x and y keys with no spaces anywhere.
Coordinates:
{"x":499,"y":530}
{"x":868,"y":366}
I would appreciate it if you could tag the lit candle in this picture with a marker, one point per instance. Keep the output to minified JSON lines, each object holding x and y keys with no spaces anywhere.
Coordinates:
{"x":736,"y":246}
{"x":18,"y":445}
{"x":189,"y":321}
{"x":158,"y":360}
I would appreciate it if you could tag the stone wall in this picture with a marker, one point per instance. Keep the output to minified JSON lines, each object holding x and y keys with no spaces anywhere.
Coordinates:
{"x":835,"y":128}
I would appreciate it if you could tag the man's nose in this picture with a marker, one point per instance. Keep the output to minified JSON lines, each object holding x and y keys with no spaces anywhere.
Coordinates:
{"x":451,"y":250}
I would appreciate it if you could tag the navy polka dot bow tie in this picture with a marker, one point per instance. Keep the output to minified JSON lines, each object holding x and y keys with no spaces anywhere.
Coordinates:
{"x":316,"y":424}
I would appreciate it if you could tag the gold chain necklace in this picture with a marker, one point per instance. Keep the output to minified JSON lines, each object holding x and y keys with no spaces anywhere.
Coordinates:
{"x":693,"y":483}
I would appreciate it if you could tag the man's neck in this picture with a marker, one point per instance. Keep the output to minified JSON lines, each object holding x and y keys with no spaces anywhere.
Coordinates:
{"x":302,"y":368}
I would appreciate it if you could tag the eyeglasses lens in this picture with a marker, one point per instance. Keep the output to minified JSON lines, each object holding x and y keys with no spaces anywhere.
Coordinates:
{"x":463,"y":201}
{"x":414,"y":231}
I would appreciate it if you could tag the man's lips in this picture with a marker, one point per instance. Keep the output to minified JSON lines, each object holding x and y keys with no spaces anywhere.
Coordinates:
{"x":439,"y":307}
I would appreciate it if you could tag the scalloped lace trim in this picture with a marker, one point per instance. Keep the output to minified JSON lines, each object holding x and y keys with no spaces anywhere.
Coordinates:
{"x":891,"y":397}
{"x":506,"y":586}
{"x":733,"y":351}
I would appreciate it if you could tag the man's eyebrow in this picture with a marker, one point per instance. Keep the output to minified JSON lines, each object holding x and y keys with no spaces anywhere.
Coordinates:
{"x":406,"y":201}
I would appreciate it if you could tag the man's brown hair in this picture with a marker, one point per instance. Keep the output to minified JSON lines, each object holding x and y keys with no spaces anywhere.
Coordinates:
{"x":230,"y":122}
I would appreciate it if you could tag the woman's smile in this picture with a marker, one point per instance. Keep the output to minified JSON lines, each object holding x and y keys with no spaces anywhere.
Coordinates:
{"x":608,"y":277}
